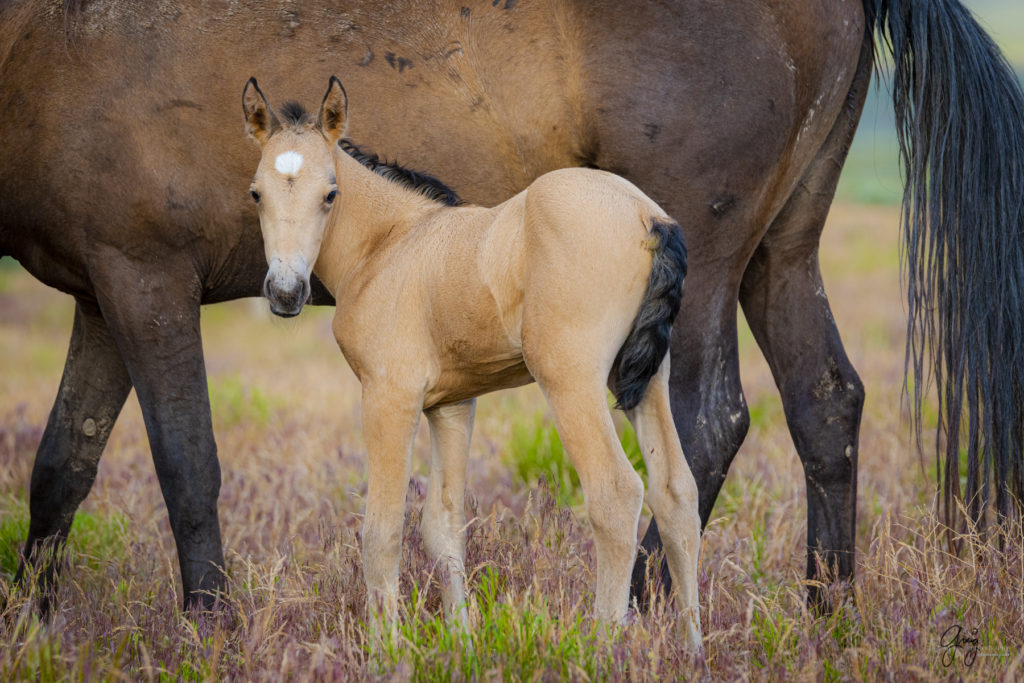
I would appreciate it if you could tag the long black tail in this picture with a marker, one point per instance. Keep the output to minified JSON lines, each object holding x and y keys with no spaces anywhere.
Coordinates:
{"x":645,"y":347}
{"x":960,"y":119}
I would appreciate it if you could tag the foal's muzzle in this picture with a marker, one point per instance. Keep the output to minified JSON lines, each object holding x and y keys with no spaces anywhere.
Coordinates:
{"x":285,"y":289}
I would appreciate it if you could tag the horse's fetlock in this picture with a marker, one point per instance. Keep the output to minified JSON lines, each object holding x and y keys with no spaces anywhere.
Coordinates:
{"x":381,"y":539}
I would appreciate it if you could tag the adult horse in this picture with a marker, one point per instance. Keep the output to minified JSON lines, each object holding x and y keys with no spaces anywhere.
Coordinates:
{"x":735,"y":117}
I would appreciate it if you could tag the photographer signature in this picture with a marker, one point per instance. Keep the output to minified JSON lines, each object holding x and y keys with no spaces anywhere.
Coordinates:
{"x":953,"y":640}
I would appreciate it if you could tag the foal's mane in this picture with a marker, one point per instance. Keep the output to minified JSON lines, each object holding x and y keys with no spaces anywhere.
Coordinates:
{"x":424,"y":183}
{"x":294,"y":114}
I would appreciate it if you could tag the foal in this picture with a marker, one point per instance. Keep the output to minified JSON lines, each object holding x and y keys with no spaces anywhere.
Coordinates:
{"x":573,"y":283}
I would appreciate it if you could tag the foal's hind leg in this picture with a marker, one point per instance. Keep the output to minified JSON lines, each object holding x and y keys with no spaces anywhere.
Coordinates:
{"x":92,"y":392}
{"x":612,"y":490}
{"x":444,"y":513}
{"x":672,"y":495}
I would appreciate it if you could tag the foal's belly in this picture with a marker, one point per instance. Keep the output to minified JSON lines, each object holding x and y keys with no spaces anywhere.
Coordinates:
{"x":462,"y":381}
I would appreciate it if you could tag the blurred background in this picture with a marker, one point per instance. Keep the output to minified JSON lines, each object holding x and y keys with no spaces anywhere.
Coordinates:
{"x":871,"y":174}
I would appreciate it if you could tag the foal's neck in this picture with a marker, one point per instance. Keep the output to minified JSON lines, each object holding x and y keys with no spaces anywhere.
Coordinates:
{"x":374,"y":213}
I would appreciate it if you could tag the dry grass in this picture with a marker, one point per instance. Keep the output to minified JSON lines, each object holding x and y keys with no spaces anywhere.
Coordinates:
{"x":286,"y":413}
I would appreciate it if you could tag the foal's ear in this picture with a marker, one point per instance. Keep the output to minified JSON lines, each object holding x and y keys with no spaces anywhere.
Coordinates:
{"x":260,"y":121}
{"x":333,"y":120}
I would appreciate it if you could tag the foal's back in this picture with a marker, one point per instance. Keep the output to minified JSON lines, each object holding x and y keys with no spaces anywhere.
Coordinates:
{"x":457,"y":286}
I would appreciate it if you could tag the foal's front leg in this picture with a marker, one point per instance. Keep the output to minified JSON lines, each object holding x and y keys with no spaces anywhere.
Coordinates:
{"x":390,"y":418}
{"x":444,"y":514}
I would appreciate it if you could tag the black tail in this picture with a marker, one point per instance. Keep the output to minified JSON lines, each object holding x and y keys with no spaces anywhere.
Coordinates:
{"x":960,"y":119}
{"x":645,"y":347}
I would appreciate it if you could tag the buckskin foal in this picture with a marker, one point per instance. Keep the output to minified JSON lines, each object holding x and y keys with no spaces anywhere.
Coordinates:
{"x":573,"y":282}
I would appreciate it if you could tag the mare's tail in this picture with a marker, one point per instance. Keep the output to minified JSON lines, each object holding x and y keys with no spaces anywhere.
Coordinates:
{"x":960,"y":119}
{"x":645,"y":347}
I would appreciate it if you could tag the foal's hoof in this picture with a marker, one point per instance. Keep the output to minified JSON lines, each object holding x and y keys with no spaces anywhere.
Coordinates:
{"x":692,"y":636}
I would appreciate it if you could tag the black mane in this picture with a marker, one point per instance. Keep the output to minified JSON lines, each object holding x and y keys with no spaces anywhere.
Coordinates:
{"x":424,"y":183}
{"x":294,"y":114}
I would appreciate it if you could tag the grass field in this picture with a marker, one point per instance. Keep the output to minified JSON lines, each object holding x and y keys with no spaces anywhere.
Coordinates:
{"x":286,"y":414}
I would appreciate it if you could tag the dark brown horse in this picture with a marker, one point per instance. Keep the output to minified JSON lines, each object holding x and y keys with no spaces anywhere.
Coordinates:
{"x":734,"y":116}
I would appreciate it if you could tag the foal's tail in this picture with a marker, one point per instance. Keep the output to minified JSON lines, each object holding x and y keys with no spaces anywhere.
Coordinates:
{"x":645,"y":347}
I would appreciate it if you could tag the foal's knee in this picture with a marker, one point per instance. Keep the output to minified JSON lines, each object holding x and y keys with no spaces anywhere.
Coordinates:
{"x":441,"y":524}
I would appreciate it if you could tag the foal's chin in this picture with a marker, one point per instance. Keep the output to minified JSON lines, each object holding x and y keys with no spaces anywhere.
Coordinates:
{"x":285,"y":312}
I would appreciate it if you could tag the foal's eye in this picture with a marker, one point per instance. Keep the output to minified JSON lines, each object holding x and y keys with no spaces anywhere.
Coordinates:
{"x":255,"y":196}
{"x":329,"y":199}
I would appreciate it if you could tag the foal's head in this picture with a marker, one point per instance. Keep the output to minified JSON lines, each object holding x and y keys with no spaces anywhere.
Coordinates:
{"x":294,"y":187}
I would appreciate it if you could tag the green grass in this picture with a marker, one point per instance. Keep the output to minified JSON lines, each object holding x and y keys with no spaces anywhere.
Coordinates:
{"x":535,"y":453}
{"x":95,"y":539}
{"x":776,"y":634}
{"x":518,"y":636}
{"x":233,"y":403}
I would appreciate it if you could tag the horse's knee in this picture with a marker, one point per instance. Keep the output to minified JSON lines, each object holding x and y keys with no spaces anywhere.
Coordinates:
{"x":191,"y":475}
{"x":441,"y":526}
{"x":711,"y":444}
{"x":824,"y":419}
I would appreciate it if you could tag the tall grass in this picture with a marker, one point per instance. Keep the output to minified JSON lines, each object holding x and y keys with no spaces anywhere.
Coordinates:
{"x":286,"y":411}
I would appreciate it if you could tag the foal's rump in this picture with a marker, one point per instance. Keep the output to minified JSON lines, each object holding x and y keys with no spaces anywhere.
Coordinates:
{"x":603,"y":262}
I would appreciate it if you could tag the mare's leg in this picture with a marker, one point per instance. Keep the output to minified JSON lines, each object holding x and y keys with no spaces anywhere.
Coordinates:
{"x":444,"y":513}
{"x":153,"y":316}
{"x":672,"y":495}
{"x":390,"y":419}
{"x":784,"y":301}
{"x":92,"y":392}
